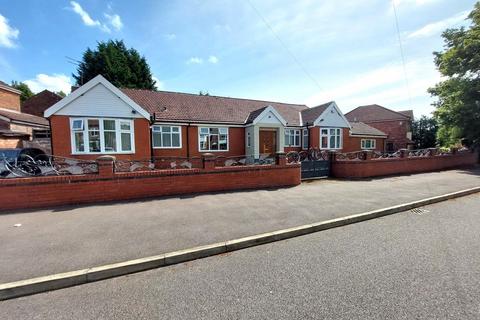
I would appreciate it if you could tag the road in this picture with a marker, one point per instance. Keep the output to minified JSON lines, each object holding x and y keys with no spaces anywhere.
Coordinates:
{"x":77,"y":237}
{"x":423,"y":265}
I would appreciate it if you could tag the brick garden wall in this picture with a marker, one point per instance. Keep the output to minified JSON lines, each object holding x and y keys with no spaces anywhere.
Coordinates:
{"x":391,"y":166}
{"x":66,"y":190}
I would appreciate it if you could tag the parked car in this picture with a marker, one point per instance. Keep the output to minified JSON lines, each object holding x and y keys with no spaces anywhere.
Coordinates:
{"x":21,"y":161}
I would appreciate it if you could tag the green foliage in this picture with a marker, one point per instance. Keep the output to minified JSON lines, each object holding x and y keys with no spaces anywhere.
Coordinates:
{"x":458,"y":105}
{"x":424,"y":132}
{"x":26,"y":92}
{"x":203,"y":93}
{"x":121,"y":66}
{"x":61,"y":94}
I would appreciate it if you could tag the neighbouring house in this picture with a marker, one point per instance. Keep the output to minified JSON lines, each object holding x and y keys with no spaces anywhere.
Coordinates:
{"x":40,"y":102}
{"x":18,"y":129}
{"x":397,"y":125}
{"x":99,"y":118}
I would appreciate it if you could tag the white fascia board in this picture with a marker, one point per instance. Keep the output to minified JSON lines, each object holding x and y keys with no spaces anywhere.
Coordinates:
{"x":272,"y":110}
{"x":89,"y":85}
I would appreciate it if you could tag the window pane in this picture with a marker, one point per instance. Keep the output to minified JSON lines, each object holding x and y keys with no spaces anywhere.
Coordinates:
{"x":324,"y":142}
{"x":175,"y":140}
{"x":337,"y":145}
{"x":223,"y":130}
{"x":110,"y":141}
{"x":332,"y":141}
{"x":175,"y":129}
{"x":332,"y":132}
{"x":204,"y":142}
{"x":213,"y":142}
{"x":94,"y":141}
{"x":93,"y":124}
{"x":77,"y":125}
{"x":324,"y":131}
{"x":156,"y":128}
{"x":287,"y":138}
{"x":126,"y":143}
{"x":214,"y":130}
{"x":166,"y":140}
{"x":297,"y":140}
{"x":109,"y":124}
{"x":165,"y":129}
{"x":157,"y":140}
{"x":79,"y":143}
{"x":203,"y":130}
{"x":124,"y":125}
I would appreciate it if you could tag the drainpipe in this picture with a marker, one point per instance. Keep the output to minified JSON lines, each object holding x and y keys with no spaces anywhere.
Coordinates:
{"x":188,"y":141}
{"x":152,"y":121}
{"x":51,"y":136}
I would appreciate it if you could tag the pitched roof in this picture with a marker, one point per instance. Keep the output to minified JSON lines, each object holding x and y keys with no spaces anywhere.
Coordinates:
{"x":40,"y":102}
{"x":408,"y":113}
{"x":311,"y":114}
{"x":374,"y":112}
{"x":5,"y":86}
{"x":174,"y":106}
{"x":23,"y":117}
{"x":360,"y":128}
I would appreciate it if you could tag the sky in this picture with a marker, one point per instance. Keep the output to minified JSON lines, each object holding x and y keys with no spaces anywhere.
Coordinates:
{"x":302,"y":51}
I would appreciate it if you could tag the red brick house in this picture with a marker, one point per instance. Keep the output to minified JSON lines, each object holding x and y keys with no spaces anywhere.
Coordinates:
{"x":40,"y":102}
{"x":396,"y":125}
{"x":99,"y":118}
{"x":18,"y":129}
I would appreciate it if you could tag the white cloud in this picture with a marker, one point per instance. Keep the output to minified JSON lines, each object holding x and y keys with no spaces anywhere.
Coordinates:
{"x":55,"y":82}
{"x":414,"y":2}
{"x":160,"y":85}
{"x":87,"y":20}
{"x":7,"y":33}
{"x":170,"y":36}
{"x":385,"y":86}
{"x":212,"y":59}
{"x":115,"y":21}
{"x":437,"y":27}
{"x":195,"y":60}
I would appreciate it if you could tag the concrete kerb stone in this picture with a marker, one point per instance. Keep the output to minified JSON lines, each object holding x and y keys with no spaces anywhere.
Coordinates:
{"x":68,"y":279}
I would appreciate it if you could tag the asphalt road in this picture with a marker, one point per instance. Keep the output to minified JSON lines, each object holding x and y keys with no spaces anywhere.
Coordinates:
{"x":423,"y":265}
{"x":76,"y":237}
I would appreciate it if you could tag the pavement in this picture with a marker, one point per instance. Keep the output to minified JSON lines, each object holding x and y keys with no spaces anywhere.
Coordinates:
{"x":411,"y":265}
{"x":76,"y":237}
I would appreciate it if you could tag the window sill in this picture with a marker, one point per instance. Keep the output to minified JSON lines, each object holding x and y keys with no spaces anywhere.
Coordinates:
{"x":100,"y":153}
{"x":167,"y":147}
{"x":206,"y":151}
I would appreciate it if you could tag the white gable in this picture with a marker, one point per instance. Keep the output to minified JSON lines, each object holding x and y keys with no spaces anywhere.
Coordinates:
{"x":98,"y":97}
{"x":269,"y":117}
{"x":332,"y":117}
{"x":99,"y":101}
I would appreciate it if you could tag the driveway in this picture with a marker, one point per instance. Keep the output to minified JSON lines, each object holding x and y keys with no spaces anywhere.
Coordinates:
{"x":75,"y":237}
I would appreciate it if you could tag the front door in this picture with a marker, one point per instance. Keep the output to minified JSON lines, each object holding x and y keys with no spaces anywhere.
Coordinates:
{"x":268,"y":142}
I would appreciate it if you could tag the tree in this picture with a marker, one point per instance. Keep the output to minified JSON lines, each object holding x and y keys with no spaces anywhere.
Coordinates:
{"x":458,"y":97}
{"x":424,"y":132}
{"x":121,"y":66}
{"x":61,"y":94}
{"x":26,"y":92}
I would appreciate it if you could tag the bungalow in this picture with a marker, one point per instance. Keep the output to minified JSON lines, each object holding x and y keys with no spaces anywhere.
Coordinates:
{"x":99,"y":118}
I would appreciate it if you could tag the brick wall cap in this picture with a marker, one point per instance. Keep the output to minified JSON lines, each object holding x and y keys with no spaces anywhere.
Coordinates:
{"x":209,"y":156}
{"x":106,"y":158}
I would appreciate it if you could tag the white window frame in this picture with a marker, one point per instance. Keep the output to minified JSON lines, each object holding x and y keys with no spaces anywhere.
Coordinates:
{"x":305,"y":133}
{"x":213,"y":127}
{"x":118,"y":132}
{"x":363,"y":143}
{"x":329,"y":135}
{"x":160,"y":132}
{"x":296,"y":132}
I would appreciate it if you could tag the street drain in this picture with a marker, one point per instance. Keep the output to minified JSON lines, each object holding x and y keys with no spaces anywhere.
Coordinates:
{"x":419,"y":211}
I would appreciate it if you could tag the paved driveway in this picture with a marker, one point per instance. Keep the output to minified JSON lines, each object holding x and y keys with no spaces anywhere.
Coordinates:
{"x":76,"y":237}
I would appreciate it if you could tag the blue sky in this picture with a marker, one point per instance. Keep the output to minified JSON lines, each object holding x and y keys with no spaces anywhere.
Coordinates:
{"x":303,"y":51}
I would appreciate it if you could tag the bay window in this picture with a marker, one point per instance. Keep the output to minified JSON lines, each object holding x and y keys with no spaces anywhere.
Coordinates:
{"x":331,"y":138}
{"x":101,"y":135}
{"x":212,"y":139}
{"x":305,"y":139}
{"x":292,"y":138}
{"x":166,"y":137}
{"x":368,"y":143}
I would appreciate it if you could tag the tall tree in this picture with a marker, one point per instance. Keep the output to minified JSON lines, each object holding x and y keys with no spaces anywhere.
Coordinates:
{"x":424,"y":132}
{"x":26,"y":92}
{"x":121,"y":66}
{"x":458,"y":105}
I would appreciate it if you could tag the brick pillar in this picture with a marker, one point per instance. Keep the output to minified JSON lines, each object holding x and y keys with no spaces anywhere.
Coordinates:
{"x":403,"y":153}
{"x":209,"y":161}
{"x":454,"y":150}
{"x":106,"y":165}
{"x":367,"y":155}
{"x":432,"y":152}
{"x":280,"y":159}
